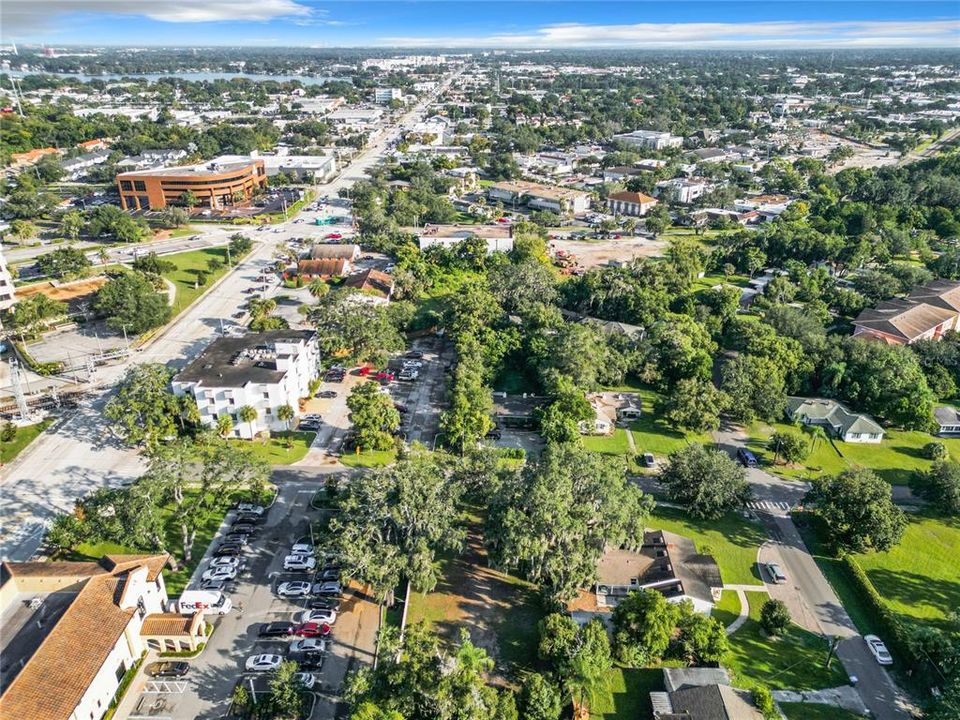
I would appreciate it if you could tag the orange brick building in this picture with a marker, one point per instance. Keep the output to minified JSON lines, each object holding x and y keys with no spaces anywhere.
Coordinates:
{"x":215,"y":185}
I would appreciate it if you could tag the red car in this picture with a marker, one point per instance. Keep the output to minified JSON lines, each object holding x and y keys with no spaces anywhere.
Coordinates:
{"x":312,"y":629}
{"x":503,"y":220}
{"x":385,"y":375}
{"x":363,"y":372}
{"x":332,"y":236}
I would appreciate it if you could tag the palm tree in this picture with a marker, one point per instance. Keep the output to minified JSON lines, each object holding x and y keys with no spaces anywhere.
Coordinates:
{"x":224,"y":425}
{"x":248,"y":414}
{"x":585,"y":682}
{"x":285,"y":414}
{"x":103,"y":256}
{"x":318,"y":288}
{"x":818,"y":434}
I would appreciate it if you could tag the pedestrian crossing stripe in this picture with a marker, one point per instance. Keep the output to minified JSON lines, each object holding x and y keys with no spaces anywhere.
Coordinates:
{"x":769,"y":505}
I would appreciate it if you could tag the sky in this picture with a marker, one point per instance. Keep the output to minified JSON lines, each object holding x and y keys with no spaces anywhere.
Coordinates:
{"x":670,"y":24}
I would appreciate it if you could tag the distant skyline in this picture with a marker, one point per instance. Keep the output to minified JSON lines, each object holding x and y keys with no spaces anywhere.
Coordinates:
{"x":491,"y":24}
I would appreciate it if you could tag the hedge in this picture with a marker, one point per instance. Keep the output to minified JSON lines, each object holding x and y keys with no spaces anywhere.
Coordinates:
{"x":40,"y":368}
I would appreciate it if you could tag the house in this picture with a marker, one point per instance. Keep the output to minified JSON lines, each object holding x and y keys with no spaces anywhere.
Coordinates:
{"x":374,"y":286}
{"x":630,"y":203}
{"x":844,"y":423}
{"x":76,"y":167}
{"x":652,"y":139}
{"x":323,"y":269}
{"x":262,"y":370}
{"x":564,"y":201}
{"x":94,"y":145}
{"x":665,"y":562}
{"x":72,"y":631}
{"x":603,"y":421}
{"x":499,"y":237}
{"x":947,"y":419}
{"x":621,"y":172}
{"x":335,"y":251}
{"x":925,"y":314}
{"x":699,"y":693}
{"x":516,"y":411}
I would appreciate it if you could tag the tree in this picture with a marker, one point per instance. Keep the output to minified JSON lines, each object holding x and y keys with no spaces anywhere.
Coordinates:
{"x":657,"y":220}
{"x":130,"y":303}
{"x":152,"y":264}
{"x":365,"y":332}
{"x":239,"y":246}
{"x":318,"y":288}
{"x":224,"y":425}
{"x":935,"y":451}
{"x":558,"y":639}
{"x":67,"y":262}
{"x":643,"y":625}
{"x":701,"y":639}
{"x":189,"y":199}
{"x":285,"y":414}
{"x":144,"y":410}
{"x":110,"y":221}
{"x":553,"y":519}
{"x":694,"y":405}
{"x":173,"y":216}
{"x":586,"y":675}
{"x":71,"y":224}
{"x":755,"y":386}
{"x":468,"y":417}
{"x":32,"y":313}
{"x":940,"y":485}
{"x":248,"y":414}
{"x":394,"y":522}
{"x":373,"y":415}
{"x":858,"y":510}
{"x":707,"y":482}
{"x":774,"y":617}
{"x":790,"y":446}
{"x":23,"y":230}
{"x":286,"y":696}
{"x":540,"y":698}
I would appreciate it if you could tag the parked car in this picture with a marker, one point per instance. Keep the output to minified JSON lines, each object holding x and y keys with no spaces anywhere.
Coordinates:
{"x":308,"y":645}
{"x":248,"y":507}
{"x":276,"y":629}
{"x":165,"y":669}
{"x":308,"y":660}
{"x":294,"y":589}
{"x":776,"y":573}
{"x":408,"y":375}
{"x":248,"y":518}
{"x":232,"y":562}
{"x":333,"y":236}
{"x":327,"y":575}
{"x":321,"y":616}
{"x":327,"y":394}
{"x":494,"y":434}
{"x":385,"y":376}
{"x":239,"y":314}
{"x":327,"y":603}
{"x":229,"y":550}
{"x":746,"y":458}
{"x":878,"y":650}
{"x":312,"y":629}
{"x":215,"y":585}
{"x":305,"y":680}
{"x":402,"y":409}
{"x":331,"y":587}
{"x":309,"y":426}
{"x":237,"y":536}
{"x":299,"y":562}
{"x":363,"y":371}
{"x":414,"y":354}
{"x":220,"y":573}
{"x":649,"y":461}
{"x":302,"y":548}
{"x":243,"y":528}
{"x":416,"y":364}
{"x":263,"y":663}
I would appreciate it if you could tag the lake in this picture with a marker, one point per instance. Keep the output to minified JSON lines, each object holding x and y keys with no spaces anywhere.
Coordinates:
{"x":190,"y":76}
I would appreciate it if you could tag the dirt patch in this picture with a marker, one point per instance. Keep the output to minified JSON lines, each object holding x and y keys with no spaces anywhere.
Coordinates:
{"x":593,"y":253}
{"x":64,"y":291}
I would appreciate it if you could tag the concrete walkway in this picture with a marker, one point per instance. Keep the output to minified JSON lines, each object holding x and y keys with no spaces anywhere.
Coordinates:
{"x":844,"y":697}
{"x":744,"y":611}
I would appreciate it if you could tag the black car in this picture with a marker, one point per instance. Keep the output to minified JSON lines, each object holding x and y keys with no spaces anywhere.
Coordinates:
{"x":327,"y":575}
{"x":325,"y":604}
{"x":327,"y":394}
{"x":167,"y":669}
{"x":494,"y":434}
{"x":310,"y":425}
{"x":228,"y":550}
{"x":414,"y":355}
{"x":276,"y":629}
{"x":251,"y":518}
{"x":308,"y":660}
{"x":243,"y":528}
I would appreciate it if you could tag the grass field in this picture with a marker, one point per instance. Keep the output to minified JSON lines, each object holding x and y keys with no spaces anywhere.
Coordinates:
{"x":709,"y":281}
{"x":615,"y":444}
{"x":732,"y":540}
{"x":728,"y":608}
{"x":628,"y":694}
{"x":275,"y":450}
{"x":370,"y":458}
{"x":23,"y":437}
{"x":813,"y":711}
{"x":184,"y":276}
{"x":895,"y":459}
{"x":793,"y":661}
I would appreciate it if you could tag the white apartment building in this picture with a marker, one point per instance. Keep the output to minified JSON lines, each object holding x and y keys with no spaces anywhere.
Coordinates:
{"x":264,"y":371}
{"x":686,"y":191}
{"x":499,"y":238}
{"x":652,"y":139}
{"x":382,"y":96}
{"x":7,"y":291}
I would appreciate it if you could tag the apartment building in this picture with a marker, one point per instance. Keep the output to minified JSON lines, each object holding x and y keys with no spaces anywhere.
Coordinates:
{"x":564,"y":201}
{"x":383,"y":96}
{"x":925,"y":314}
{"x":215,"y":184}
{"x":264,"y":371}
{"x":7,"y":290}
{"x":651,"y":139}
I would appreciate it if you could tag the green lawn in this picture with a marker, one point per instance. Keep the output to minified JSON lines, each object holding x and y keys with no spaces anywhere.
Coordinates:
{"x":23,"y":437}
{"x":615,"y":444}
{"x":370,"y":458}
{"x":814,"y":711}
{"x":709,"y":281}
{"x":275,"y":450}
{"x":728,"y":608}
{"x":184,"y":276}
{"x":895,"y":459}
{"x":628,"y":694}
{"x":732,"y":540}
{"x":793,"y":661}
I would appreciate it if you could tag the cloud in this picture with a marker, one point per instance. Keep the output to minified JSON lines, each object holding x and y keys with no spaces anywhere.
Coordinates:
{"x":21,"y":17}
{"x":692,"y":36}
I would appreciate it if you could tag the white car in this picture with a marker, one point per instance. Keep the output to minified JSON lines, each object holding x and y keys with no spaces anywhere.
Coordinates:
{"x":305,"y":679}
{"x":302,"y":549}
{"x":220,"y":573}
{"x":319,"y":616}
{"x":415,"y":364}
{"x":246,"y":507}
{"x":263,"y":663}
{"x":308,"y":645}
{"x":295,"y":589}
{"x":878,"y":650}
{"x":299,"y":562}
{"x":229,"y":562}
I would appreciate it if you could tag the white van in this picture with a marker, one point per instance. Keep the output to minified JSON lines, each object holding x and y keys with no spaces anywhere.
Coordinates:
{"x":215,"y":603}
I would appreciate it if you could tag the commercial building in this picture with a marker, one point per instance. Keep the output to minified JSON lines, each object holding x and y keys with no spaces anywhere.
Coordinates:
{"x":264,"y":371}
{"x":682,"y":190}
{"x":310,"y":168}
{"x":926,"y":314}
{"x":499,"y":238}
{"x":72,"y":631}
{"x":630,"y":203}
{"x":382,"y":96}
{"x":564,"y":201}
{"x":651,"y":139}
{"x":214,"y":184}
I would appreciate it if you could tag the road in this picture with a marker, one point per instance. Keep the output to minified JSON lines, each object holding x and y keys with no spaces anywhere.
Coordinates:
{"x":79,"y":454}
{"x":812,"y":602}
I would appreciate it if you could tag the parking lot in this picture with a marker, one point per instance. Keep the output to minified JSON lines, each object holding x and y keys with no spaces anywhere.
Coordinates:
{"x":206,"y":690}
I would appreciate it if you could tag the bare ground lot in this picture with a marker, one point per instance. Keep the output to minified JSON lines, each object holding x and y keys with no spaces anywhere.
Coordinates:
{"x":593,"y":253}
{"x":64,"y":292}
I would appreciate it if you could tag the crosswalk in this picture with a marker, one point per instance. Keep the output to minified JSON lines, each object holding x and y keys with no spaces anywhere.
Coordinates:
{"x":771,"y":506}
